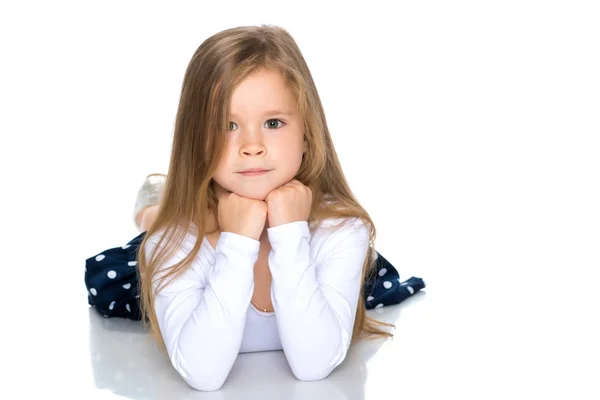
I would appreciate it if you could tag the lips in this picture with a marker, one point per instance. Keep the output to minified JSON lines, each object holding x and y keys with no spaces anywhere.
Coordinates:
{"x":254,"y":170}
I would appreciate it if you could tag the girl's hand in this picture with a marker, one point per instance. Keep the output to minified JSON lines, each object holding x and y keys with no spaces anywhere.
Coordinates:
{"x":289,"y":203}
{"x":239,"y":214}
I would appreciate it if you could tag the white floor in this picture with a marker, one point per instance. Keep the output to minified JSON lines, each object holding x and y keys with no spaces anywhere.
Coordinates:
{"x":452,"y":341}
{"x":124,"y":361}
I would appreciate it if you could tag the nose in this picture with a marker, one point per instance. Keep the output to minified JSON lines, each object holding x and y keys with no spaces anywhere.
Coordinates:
{"x":253,"y":145}
{"x":253,"y":151}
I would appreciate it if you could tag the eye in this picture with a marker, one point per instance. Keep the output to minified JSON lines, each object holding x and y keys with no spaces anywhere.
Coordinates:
{"x":274,"y":120}
{"x":231,"y":123}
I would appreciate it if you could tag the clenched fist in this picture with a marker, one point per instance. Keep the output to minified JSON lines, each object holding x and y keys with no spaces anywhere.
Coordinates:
{"x":239,"y":214}
{"x":289,"y":203}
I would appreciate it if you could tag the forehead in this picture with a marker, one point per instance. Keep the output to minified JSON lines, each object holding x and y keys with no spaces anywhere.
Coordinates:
{"x":261,"y":91}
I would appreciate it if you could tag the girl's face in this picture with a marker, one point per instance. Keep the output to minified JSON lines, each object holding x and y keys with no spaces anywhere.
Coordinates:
{"x":266,"y":131}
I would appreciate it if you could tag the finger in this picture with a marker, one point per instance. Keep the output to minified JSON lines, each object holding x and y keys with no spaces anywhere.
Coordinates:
{"x":297,"y":185}
{"x":293,"y":182}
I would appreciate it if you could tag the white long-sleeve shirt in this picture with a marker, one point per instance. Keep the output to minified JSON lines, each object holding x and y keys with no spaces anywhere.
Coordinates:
{"x":206,"y":318}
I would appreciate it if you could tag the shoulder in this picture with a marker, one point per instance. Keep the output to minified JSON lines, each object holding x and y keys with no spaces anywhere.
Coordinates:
{"x":189,"y":240}
{"x":333,"y":232}
{"x":340,"y":224}
{"x":339,"y":246}
{"x":331,"y":226}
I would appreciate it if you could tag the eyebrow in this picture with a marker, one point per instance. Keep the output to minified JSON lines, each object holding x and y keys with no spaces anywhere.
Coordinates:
{"x":270,"y":112}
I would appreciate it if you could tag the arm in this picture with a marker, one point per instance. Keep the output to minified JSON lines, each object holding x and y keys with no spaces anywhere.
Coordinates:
{"x":202,"y":313}
{"x":316,"y":303}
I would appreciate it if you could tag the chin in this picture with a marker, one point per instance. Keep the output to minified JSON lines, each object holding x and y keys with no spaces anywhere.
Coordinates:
{"x":253,"y":194}
{"x":256,"y":192}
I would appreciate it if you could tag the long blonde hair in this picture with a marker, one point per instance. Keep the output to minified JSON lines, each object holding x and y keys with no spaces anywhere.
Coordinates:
{"x":220,"y":63}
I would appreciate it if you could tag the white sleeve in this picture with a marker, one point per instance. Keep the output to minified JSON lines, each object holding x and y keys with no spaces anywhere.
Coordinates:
{"x":202,"y":313}
{"x":316,"y":303}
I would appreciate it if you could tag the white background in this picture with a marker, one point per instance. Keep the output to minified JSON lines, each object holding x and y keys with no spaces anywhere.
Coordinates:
{"x":469,"y":130}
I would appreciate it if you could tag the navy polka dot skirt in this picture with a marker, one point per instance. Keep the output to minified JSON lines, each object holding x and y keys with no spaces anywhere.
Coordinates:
{"x":111,"y":278}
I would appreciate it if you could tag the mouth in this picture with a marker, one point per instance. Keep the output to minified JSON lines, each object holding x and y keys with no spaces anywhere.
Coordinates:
{"x":254,"y":172}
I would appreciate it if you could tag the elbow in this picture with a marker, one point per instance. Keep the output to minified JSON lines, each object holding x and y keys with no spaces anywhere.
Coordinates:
{"x":314,"y":366}
{"x":203,"y":377}
{"x":311,"y":374}
{"x":202,"y":364}
{"x":205,"y":384}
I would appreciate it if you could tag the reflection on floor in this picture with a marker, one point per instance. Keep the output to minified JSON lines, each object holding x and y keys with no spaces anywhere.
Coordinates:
{"x":125,"y":361}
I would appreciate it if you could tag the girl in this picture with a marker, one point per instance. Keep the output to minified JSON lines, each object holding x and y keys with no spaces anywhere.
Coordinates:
{"x":256,"y":241}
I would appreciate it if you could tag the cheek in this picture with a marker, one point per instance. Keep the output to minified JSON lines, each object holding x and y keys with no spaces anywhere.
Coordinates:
{"x":300,"y":151}
{"x":290,"y":152}
{"x":225,"y":161}
{"x":294,"y":158}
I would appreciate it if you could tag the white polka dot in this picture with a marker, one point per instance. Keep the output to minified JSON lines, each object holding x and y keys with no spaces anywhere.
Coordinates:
{"x":112,"y":305}
{"x":387,"y":284}
{"x":93,"y":291}
{"x":111,"y":274}
{"x":128,"y":307}
{"x":379,"y":305}
{"x":126,"y":246}
{"x":105,"y":316}
{"x":127,"y":286}
{"x":132,"y":263}
{"x":411,"y":290}
{"x":100,"y":257}
{"x":370,"y":298}
{"x":382,"y":271}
